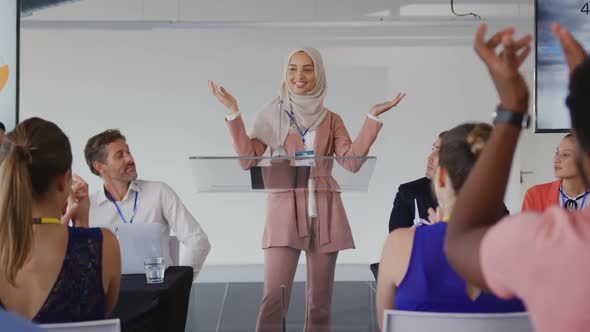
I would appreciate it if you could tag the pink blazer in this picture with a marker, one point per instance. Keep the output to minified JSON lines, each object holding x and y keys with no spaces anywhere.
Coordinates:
{"x":287,"y":223}
{"x":540,"y":197}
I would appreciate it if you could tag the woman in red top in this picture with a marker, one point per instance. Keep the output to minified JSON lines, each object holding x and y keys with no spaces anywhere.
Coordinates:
{"x":568,"y":191}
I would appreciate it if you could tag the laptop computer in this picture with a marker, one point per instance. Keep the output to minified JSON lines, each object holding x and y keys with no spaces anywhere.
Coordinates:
{"x":138,"y":242}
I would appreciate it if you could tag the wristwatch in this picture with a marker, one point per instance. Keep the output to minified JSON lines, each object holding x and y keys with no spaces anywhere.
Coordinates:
{"x":518,"y":119}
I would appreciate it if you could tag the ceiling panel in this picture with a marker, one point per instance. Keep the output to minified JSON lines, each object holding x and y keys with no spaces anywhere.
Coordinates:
{"x":263,"y":10}
{"x":246,"y":10}
{"x":340,"y":22}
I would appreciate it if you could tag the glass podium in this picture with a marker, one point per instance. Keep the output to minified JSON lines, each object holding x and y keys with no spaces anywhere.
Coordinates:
{"x":268,"y":174}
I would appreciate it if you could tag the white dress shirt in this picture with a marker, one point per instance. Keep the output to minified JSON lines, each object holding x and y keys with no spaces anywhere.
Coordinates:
{"x":156,"y":203}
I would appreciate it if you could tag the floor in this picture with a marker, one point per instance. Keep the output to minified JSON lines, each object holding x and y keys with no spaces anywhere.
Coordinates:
{"x":233,"y":306}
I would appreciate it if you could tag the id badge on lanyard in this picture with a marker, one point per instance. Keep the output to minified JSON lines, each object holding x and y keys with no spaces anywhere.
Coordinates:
{"x":307,"y":158}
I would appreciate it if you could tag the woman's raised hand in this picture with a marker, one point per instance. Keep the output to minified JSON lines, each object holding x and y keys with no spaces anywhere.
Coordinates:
{"x":78,"y":205}
{"x":386,"y":106}
{"x":574,"y":52}
{"x":224,"y":97}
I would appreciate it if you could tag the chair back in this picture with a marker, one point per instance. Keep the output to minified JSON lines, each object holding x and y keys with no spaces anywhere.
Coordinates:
{"x":107,"y":325}
{"x":401,"y":321}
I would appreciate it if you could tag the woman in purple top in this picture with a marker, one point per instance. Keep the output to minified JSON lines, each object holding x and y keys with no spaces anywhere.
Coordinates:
{"x":414,"y":273}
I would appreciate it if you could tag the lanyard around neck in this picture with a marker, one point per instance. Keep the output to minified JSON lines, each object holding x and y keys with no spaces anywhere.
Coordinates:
{"x":569,"y":203}
{"x":110,"y":197}
{"x":46,"y":221}
{"x":301,"y":132}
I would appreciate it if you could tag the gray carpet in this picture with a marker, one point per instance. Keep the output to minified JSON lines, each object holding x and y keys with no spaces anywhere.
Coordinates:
{"x":232,"y":307}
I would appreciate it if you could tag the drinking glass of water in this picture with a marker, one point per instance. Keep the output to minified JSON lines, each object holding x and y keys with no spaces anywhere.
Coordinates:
{"x":154,"y":269}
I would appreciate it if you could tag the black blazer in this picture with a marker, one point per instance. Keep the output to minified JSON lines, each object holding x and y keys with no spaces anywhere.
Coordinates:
{"x":402,"y":214}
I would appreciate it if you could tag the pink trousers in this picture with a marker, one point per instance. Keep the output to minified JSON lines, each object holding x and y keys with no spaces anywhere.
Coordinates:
{"x":280,"y":264}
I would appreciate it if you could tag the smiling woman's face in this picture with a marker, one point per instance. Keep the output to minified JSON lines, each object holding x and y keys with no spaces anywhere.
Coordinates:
{"x":301,"y":73}
{"x":564,"y":162}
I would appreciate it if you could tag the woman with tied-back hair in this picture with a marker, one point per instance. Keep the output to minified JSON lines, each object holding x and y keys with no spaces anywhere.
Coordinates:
{"x":414,"y":273}
{"x":313,"y":221}
{"x":51,"y":272}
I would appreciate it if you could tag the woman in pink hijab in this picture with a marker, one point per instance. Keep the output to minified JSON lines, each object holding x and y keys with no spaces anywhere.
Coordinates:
{"x":313,"y":221}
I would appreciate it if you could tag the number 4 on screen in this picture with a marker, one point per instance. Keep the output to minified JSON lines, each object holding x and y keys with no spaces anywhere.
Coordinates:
{"x":585,"y":9}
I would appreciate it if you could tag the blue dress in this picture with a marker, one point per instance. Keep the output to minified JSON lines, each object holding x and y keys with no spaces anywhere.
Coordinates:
{"x":430,"y":284}
{"x":78,"y":293}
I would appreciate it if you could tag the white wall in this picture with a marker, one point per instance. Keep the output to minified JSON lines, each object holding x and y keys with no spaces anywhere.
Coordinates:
{"x":152,"y":85}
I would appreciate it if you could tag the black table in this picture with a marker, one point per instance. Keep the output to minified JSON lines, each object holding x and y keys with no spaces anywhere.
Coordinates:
{"x":154,"y":307}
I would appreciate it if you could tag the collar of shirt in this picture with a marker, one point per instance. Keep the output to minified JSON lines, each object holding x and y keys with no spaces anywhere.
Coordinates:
{"x":134,"y":186}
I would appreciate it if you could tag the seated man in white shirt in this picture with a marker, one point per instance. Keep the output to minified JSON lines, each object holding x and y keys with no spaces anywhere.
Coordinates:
{"x":125,"y":199}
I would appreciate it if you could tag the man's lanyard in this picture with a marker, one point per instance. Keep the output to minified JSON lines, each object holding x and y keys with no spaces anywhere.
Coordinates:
{"x":572,"y":204}
{"x":46,"y":221}
{"x":301,"y":132}
{"x":119,"y":210}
